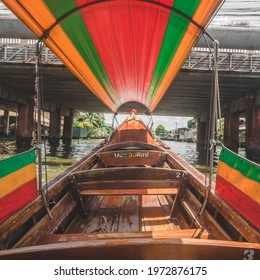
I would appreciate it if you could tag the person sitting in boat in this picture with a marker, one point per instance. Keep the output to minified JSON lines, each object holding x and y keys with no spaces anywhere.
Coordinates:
{"x":133,"y":115}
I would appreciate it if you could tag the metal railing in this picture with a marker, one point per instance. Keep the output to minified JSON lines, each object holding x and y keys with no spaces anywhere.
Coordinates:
{"x":201,"y":59}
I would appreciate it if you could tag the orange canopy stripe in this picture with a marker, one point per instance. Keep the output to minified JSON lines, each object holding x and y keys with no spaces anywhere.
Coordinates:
{"x":122,"y":50}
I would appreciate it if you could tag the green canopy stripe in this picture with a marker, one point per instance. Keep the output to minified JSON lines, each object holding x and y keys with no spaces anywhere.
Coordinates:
{"x":249,"y":169}
{"x":176,"y":29}
{"x":14,"y":163}
{"x":82,"y":40}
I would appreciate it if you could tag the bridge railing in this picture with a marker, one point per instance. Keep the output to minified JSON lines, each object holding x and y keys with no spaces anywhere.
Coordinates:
{"x":200,"y":59}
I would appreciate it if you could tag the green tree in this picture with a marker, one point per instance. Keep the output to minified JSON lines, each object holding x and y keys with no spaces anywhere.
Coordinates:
{"x":220,"y":129}
{"x":94,"y":122}
{"x":161,"y":130}
{"x":192,"y":123}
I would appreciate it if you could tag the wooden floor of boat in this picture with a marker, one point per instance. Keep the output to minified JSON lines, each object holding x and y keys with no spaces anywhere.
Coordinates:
{"x":125,"y":214}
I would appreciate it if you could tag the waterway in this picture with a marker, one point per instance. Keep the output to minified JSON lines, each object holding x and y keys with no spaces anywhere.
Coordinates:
{"x":61,"y":157}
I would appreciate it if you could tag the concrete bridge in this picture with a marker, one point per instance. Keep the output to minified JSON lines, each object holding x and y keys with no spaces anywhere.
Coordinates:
{"x":188,"y":95}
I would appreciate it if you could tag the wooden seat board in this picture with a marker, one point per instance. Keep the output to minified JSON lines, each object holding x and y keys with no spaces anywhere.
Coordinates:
{"x":129,"y":192}
{"x":128,"y":184}
{"x":130,"y":173}
{"x":137,"y":248}
{"x":186,"y":233}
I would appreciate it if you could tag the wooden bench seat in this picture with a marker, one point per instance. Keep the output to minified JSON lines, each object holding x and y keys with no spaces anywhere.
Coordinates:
{"x":129,"y":173}
{"x":160,"y":191}
{"x":128,"y":184}
{"x":179,"y":233}
{"x":124,"y":181}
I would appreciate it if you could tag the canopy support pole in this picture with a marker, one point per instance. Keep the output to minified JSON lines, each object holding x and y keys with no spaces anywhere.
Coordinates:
{"x":39,"y":140}
{"x":212,"y":128}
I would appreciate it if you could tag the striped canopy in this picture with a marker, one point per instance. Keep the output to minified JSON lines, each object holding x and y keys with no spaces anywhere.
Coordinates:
{"x":122,"y":50}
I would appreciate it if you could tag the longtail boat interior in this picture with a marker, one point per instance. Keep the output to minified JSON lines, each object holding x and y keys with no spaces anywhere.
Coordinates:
{"x":131,"y":197}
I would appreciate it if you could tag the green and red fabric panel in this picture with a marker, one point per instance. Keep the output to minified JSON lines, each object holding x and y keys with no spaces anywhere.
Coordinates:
{"x":238,"y":183}
{"x":123,"y":50}
{"x":18,"y":185}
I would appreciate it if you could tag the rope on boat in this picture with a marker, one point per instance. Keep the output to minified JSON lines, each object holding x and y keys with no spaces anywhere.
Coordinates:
{"x":102,"y":225}
{"x":38,"y":88}
{"x":214,"y":110}
{"x":150,"y":117}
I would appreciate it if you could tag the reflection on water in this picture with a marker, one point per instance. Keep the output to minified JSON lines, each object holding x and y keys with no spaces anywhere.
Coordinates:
{"x":61,"y":156}
{"x":188,"y":152}
{"x":76,"y":150}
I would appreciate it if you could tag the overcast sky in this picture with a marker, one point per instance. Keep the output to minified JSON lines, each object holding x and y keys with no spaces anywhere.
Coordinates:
{"x":168,"y":122}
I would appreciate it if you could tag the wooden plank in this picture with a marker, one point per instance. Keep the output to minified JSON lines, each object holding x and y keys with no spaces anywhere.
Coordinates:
{"x":100,"y":161}
{"x":180,"y":220}
{"x":112,"y":205}
{"x":138,"y":248}
{"x":149,"y":201}
{"x":111,"y":202}
{"x":167,"y":209}
{"x":107,"y":216}
{"x":128,"y":184}
{"x":153,"y":216}
{"x":197,"y":179}
{"x":162,"y":161}
{"x":181,"y":233}
{"x":129,"y":192}
{"x":77,"y":197}
{"x":91,"y":210}
{"x":129,"y":216}
{"x":46,"y":225}
{"x":130,"y":173}
{"x":181,"y":191}
{"x":131,"y":157}
{"x":74,"y":224}
{"x":206,"y":220}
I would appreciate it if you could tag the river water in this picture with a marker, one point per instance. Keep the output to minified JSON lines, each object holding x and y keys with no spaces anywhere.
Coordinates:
{"x":60,"y":158}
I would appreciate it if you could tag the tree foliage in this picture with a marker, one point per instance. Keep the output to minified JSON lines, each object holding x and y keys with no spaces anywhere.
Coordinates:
{"x":192,"y":123}
{"x":161,"y":130}
{"x":94,"y":122}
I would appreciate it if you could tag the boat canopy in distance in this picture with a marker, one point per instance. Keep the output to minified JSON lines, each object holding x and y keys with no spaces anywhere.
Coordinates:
{"x":122,"y":50}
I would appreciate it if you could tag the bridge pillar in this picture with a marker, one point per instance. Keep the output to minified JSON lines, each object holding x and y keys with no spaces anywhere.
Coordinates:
{"x":68,"y":128}
{"x":25,"y":124}
{"x":231,"y":129}
{"x":202,"y":131}
{"x":55,"y":122}
{"x":252,"y":129}
{"x":6,"y":122}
